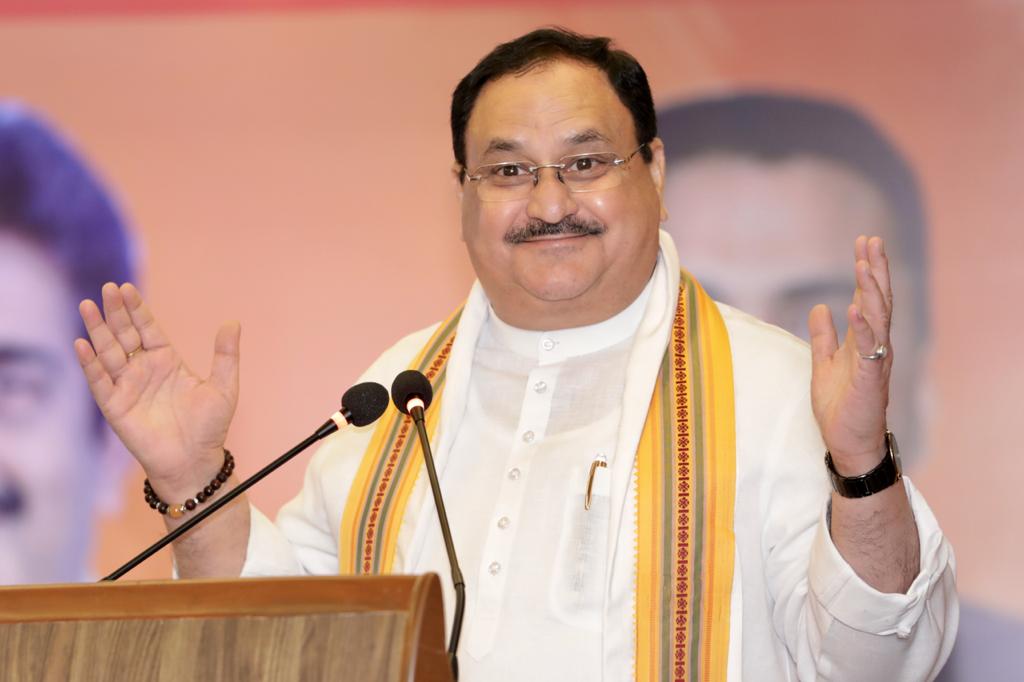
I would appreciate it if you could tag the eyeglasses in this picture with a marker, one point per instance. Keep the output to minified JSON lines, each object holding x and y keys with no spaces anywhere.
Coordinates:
{"x":511,"y":180}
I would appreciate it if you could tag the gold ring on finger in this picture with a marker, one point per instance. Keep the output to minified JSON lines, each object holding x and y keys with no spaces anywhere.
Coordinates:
{"x":133,"y":352}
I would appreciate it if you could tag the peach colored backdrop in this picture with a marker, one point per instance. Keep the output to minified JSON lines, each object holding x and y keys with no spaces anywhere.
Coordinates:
{"x":291,"y":170}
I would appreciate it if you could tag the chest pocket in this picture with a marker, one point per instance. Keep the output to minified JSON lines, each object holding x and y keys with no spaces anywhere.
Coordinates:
{"x":576,"y":594}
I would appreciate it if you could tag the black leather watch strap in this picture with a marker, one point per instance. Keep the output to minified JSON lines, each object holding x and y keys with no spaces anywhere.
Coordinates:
{"x":878,"y":479}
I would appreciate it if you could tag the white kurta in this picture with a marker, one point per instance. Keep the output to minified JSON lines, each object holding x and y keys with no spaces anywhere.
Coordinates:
{"x":550,"y":585}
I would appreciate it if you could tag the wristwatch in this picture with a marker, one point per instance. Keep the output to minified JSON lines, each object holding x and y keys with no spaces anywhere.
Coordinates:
{"x":878,"y":479}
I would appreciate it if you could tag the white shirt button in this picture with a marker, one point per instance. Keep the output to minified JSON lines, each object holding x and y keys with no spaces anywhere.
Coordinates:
{"x":548,"y":344}
{"x":503,"y":522}
{"x":494,"y":568}
{"x":514,"y":474}
{"x":540,"y":387}
{"x":528,"y":437}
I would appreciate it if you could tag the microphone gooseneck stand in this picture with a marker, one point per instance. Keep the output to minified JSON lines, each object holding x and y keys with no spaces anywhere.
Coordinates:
{"x":449,"y":546}
{"x":198,"y":518}
{"x":412,"y":393}
{"x":361,"y":405}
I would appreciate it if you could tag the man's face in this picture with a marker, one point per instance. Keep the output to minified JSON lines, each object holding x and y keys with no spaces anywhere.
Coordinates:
{"x":565,"y":279}
{"x":774,"y":238}
{"x":52,"y":461}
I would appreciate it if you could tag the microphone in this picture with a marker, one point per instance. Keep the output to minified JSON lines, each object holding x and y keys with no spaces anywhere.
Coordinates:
{"x":412,"y":393}
{"x":361,"y":405}
{"x":411,"y":390}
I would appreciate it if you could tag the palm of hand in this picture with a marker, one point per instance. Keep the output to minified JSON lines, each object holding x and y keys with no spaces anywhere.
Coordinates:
{"x":850,"y":393}
{"x":160,"y":407}
{"x":173,"y":421}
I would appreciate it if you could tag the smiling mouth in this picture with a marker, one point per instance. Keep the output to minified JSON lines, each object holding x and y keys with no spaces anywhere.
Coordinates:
{"x":555,"y":237}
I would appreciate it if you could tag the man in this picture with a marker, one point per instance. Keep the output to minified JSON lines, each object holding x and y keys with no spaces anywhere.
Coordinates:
{"x":634,"y":474}
{"x":60,"y":238}
{"x":797,"y":177}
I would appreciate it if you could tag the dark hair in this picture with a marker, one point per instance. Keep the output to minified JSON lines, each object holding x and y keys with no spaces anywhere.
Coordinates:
{"x":624,"y":74}
{"x":777,"y":126}
{"x":49,"y":197}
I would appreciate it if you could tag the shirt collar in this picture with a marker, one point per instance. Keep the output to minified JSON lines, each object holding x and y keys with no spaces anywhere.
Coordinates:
{"x":548,"y":347}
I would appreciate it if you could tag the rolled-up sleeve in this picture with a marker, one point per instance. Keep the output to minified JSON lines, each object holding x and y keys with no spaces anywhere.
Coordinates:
{"x":870,"y":635}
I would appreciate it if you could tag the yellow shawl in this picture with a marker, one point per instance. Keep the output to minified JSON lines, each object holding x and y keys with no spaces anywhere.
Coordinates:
{"x":684,"y":480}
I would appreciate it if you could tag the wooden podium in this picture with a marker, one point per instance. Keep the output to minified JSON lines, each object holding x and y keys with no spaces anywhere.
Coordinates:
{"x":314,"y":628}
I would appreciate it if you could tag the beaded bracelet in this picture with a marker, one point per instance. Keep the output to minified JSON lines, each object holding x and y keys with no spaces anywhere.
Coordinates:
{"x":176,"y":511}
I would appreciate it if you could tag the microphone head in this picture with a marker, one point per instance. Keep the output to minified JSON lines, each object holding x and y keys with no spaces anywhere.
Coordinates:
{"x":364,"y":403}
{"x":408,"y":385}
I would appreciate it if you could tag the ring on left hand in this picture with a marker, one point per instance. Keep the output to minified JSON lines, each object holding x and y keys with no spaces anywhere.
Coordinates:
{"x":881,"y":350}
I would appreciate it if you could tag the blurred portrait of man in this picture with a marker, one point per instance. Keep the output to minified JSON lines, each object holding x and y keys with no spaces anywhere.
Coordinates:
{"x":61,"y":238}
{"x":764,"y":191}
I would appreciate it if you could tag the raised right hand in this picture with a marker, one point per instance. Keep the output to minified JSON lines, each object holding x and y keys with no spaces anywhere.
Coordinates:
{"x":174,"y":422}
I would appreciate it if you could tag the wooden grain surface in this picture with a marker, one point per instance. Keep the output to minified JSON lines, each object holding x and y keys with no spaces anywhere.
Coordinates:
{"x":328,"y":628}
{"x":365,"y":646}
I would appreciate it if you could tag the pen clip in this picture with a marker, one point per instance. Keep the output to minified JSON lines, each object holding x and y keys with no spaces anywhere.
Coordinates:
{"x":598,"y":462}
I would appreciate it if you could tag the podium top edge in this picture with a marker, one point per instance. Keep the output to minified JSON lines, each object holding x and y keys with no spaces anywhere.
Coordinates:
{"x":213,"y":597}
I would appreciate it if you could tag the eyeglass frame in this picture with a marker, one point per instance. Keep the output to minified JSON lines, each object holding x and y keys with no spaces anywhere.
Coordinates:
{"x":618,"y":162}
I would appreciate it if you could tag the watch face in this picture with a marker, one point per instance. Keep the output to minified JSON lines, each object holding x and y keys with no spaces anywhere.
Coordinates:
{"x":894,"y":448}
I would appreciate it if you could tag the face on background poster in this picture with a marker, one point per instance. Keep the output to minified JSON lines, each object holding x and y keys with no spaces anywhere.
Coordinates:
{"x":60,"y":238}
{"x":289,"y":168}
{"x":766,"y":193}
{"x":45,"y":473}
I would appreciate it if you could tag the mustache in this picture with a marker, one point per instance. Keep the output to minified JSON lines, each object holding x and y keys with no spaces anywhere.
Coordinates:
{"x":568,"y":225}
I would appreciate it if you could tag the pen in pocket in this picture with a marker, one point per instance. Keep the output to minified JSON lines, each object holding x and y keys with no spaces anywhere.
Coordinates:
{"x":600,"y":462}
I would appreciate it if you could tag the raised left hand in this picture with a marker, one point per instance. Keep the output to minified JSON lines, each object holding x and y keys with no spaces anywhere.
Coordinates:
{"x":849,"y":393}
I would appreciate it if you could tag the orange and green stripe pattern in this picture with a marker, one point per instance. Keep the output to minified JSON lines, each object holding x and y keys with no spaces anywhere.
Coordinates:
{"x":387,"y":473}
{"x":685,"y":485}
{"x":685,"y":472}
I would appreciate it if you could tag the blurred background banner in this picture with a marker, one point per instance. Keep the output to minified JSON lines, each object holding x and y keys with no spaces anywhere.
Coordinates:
{"x":286,"y":163}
